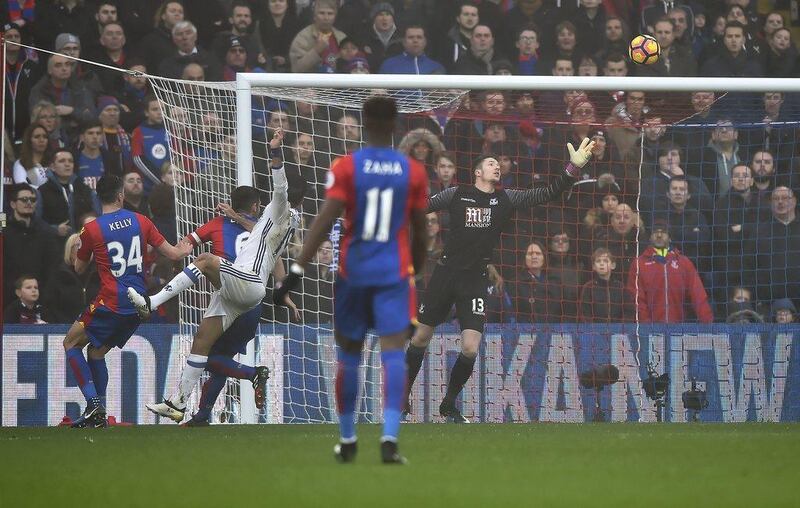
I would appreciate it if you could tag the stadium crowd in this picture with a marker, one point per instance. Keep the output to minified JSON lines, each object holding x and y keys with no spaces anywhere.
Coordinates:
{"x":687,"y":212}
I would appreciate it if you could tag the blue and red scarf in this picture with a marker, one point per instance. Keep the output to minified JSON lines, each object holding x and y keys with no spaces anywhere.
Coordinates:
{"x":21,"y":10}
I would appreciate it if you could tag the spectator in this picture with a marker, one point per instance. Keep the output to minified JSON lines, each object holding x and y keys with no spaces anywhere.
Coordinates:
{"x":353,"y":17}
{"x":694,"y":135}
{"x":317,"y":45}
{"x":68,"y":293}
{"x":115,"y":139}
{"x":64,"y":197}
{"x":779,"y":130}
{"x":57,"y":17}
{"x":26,"y":309}
{"x":499,"y":307}
{"x":413,"y":59}
{"x":587,"y":66}
{"x":565,"y":269}
{"x":135,"y":199}
{"x":317,"y":288}
{"x":654,"y":190}
{"x":186,"y":51}
{"x":615,"y":39}
{"x":774,"y":253}
{"x":93,"y":160}
{"x":278,"y":27}
{"x":527,"y":51}
{"x":74,"y":102}
{"x":529,"y":12}
{"x":665,"y":284}
{"x":625,"y":120}
{"x":713,"y":163}
{"x":735,"y":14}
{"x":763,"y":166}
{"x":535,"y":297}
{"x":732,"y":59}
{"x":162,"y":205}
{"x":783,"y":311}
{"x":150,"y":144}
{"x":553,"y":104}
{"x":736,"y":216}
{"x":780,"y":55}
{"x":481,"y":57}
{"x":590,"y":23}
{"x":456,"y":41}
{"x":157,"y":45}
{"x":423,"y":146}
{"x":236,"y":58}
{"x":313,"y":166}
{"x":30,"y":167}
{"x":22,"y":72}
{"x":29,"y":246}
{"x":675,"y":59}
{"x":111,"y":53}
{"x":350,"y":58}
{"x":243,"y":29}
{"x":665,"y":7}
{"x":621,"y":237}
{"x":44,"y":113}
{"x":603,"y":299}
{"x":131,"y":96}
{"x":688,"y":228}
{"x":382,"y":39}
{"x":566,"y":44}
{"x":105,"y":13}
{"x":70,"y":45}
{"x":773,"y":21}
{"x":445,"y":169}
{"x":434,"y":244}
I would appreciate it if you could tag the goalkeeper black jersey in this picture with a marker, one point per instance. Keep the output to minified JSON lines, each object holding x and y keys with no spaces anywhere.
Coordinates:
{"x":477,"y":218}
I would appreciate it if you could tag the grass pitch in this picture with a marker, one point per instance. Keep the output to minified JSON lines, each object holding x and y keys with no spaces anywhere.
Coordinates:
{"x":454,"y":466}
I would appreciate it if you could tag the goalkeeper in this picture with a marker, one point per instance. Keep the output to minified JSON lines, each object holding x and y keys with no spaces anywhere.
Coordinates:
{"x":478,"y":214}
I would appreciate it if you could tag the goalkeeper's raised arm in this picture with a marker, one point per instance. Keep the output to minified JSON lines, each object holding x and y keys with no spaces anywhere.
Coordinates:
{"x":478,"y":214}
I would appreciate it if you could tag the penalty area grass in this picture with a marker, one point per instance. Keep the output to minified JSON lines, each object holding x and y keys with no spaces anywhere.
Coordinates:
{"x":505,"y":465}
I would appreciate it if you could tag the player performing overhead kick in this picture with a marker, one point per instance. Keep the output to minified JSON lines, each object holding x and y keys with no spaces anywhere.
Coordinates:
{"x":383,"y":194}
{"x":240,"y":285}
{"x":117,"y":239}
{"x":478,"y":214}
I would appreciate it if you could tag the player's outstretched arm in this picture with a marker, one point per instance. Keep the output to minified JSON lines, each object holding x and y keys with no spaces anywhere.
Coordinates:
{"x":228,"y":211}
{"x":279,"y":272}
{"x":578,"y":158}
{"x":175,"y":252}
{"x":331,"y":209}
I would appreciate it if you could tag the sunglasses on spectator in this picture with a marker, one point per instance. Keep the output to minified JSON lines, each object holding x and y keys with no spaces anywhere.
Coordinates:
{"x":28,"y":200}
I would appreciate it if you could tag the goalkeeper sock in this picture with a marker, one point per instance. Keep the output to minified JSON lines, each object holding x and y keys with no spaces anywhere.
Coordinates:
{"x":414,"y":357}
{"x":461,"y":372}
{"x":346,"y":392}
{"x":100,"y":376}
{"x":394,"y":391}
{"x":229,"y":367}
{"x":195,"y":365}
{"x":83,"y":373}
{"x":208,"y":396}
{"x":184,"y":280}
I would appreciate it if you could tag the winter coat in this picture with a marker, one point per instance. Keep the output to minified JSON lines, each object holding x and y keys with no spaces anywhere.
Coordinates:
{"x":17,"y":91}
{"x":667,"y":287}
{"x":604,"y":301}
{"x":61,"y":203}
{"x":407,"y":64}
{"x":75,"y":94}
{"x":773,"y":266}
{"x":28,"y":249}
{"x":302,"y":55}
{"x":535,"y":300}
{"x":376,"y":51}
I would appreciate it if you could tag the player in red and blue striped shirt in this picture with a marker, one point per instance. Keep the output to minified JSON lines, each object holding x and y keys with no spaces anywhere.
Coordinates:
{"x":117,"y":240}
{"x":384,"y":196}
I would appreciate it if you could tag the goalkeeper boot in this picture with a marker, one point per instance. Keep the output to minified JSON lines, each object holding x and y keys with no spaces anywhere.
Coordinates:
{"x":390,"y":455}
{"x":260,"y":386}
{"x":141,"y":302}
{"x":193,"y":422}
{"x":345,"y":452}
{"x":168,"y":410}
{"x":451,"y":413}
{"x":91,"y":415}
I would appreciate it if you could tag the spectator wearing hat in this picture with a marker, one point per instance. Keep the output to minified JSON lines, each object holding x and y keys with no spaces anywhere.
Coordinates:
{"x":665,"y":284}
{"x":456,"y":40}
{"x":158,"y":45}
{"x":115,"y":139}
{"x":357,"y":65}
{"x":57,"y":17}
{"x":236,"y":59}
{"x":316,"y":47}
{"x":186,"y":51}
{"x":70,"y":45}
{"x":74,"y":102}
{"x":773,"y":266}
{"x":243,"y":29}
{"x":675,"y":59}
{"x":413,"y":59}
{"x":783,"y":311}
{"x":111,"y":52}
{"x":278,"y":26}
{"x":423,"y":146}
{"x":382,"y":39}
{"x":22,"y":73}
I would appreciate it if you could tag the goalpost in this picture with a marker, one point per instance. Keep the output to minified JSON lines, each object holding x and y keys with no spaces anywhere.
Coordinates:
{"x":218,"y":137}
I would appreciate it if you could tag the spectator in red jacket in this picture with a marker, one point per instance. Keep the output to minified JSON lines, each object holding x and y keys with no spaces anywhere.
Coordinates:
{"x":664,"y":283}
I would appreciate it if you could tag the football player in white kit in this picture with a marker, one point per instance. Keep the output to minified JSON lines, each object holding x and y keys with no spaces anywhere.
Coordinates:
{"x":240,"y":285}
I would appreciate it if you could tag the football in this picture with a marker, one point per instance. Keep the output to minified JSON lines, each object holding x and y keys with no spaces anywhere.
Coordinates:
{"x":644,"y":50}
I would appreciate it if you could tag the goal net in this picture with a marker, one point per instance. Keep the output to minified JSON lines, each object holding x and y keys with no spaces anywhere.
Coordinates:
{"x":566,"y":296}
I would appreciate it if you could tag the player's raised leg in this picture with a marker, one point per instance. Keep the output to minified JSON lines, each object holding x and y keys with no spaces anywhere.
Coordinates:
{"x":205,"y":264}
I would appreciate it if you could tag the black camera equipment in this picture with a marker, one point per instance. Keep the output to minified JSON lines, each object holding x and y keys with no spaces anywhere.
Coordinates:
{"x":656,"y":388}
{"x":694,"y":400}
{"x":597,"y":378}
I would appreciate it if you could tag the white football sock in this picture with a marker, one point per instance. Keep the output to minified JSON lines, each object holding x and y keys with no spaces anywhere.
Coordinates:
{"x":184,"y":280}
{"x":190,"y":375}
